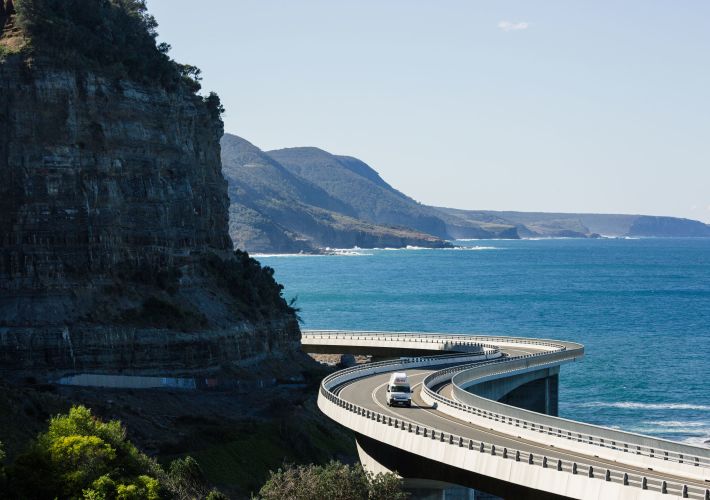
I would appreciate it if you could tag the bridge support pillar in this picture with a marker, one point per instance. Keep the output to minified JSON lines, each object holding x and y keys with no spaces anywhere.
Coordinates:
{"x":535,"y":391}
{"x":541,"y":395}
{"x":553,"y":395}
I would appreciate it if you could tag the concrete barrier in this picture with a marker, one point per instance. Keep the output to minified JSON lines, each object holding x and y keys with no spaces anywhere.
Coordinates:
{"x":613,"y":444}
{"x":510,"y":465}
{"x":478,"y":456}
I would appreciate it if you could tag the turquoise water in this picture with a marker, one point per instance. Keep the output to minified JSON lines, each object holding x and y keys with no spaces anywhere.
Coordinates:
{"x":641,"y":308}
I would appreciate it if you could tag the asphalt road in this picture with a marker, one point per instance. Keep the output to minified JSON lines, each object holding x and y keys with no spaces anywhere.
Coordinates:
{"x":370,"y":393}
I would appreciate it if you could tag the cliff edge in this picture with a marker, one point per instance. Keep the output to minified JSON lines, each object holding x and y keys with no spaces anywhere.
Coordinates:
{"x":115,"y":251}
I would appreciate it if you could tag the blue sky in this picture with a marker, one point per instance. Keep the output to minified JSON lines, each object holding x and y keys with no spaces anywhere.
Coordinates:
{"x":598,"y":106}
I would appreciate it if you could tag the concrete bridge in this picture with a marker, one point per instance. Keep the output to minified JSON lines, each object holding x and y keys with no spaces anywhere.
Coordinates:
{"x":484,"y":415}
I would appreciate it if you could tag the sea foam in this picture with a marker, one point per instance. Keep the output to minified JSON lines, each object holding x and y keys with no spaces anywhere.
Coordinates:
{"x":644,"y":406}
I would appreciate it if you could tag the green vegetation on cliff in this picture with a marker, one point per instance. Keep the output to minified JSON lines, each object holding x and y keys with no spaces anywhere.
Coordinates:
{"x":116,"y":36}
{"x":356,"y":185}
{"x":257,"y":293}
{"x":276,"y":210}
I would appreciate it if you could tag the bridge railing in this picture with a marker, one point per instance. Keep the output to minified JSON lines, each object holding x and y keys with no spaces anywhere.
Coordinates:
{"x":617,"y":440}
{"x":358,"y":371}
{"x":438,"y":338}
{"x":474,"y":446}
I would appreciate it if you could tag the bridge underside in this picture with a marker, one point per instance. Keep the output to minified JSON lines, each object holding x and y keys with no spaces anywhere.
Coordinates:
{"x":377,"y":456}
{"x":378,"y":353}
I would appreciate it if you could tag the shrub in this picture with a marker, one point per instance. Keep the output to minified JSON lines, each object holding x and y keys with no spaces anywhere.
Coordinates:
{"x":82,"y":457}
{"x":214,"y":105}
{"x":335,"y":481}
{"x":253,"y":286}
{"x":116,"y":37}
{"x":115,"y":34}
{"x":186,"y":479}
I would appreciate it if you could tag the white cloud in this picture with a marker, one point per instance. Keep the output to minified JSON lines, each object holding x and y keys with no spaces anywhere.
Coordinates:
{"x":510,"y":26}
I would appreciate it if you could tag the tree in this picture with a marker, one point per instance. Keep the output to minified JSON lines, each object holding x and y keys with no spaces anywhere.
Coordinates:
{"x":82,"y":457}
{"x":335,"y":481}
{"x":191,"y":76}
{"x":214,"y":105}
{"x":116,"y":38}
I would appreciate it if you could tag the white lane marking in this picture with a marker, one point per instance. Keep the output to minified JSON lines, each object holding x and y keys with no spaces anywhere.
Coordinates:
{"x":560,"y":453}
{"x":533,"y":445}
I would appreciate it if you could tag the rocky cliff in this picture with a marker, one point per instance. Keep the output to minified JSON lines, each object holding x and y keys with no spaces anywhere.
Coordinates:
{"x":114,"y":212}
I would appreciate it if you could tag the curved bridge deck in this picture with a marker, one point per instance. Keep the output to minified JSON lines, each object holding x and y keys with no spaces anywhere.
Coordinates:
{"x":475,"y":439}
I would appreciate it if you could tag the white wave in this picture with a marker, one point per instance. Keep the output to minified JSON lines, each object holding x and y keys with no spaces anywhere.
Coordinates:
{"x":404,"y":249}
{"x":617,"y":237}
{"x":645,"y":406}
{"x":326,"y":252}
{"x":356,"y":251}
{"x":660,"y":430}
{"x":696,"y":433}
{"x":677,"y":424}
{"x":546,"y":238}
{"x":698,"y":441}
{"x":463,"y":248}
{"x":487,"y":240}
{"x":473,"y":248}
{"x":270,"y":255}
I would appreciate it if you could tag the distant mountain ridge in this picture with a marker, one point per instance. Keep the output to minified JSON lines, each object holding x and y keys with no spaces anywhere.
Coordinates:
{"x":274,"y":209}
{"x":306,"y":199}
{"x":359,"y":187}
{"x":549,"y":224}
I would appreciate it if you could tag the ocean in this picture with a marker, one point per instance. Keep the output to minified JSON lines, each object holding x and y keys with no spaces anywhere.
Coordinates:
{"x":641,"y":307}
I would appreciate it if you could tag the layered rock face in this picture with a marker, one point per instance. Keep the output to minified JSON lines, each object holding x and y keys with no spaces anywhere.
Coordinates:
{"x":99,"y":174}
{"x":114,"y":232}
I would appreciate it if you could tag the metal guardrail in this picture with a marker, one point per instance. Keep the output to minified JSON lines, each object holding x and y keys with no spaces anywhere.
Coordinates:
{"x":604,"y":437}
{"x":409,"y":361}
{"x":572,"y":467}
{"x":423,"y":432}
{"x":439,"y":338}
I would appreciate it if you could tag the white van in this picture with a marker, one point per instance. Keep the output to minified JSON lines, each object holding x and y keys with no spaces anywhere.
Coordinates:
{"x":398,"y":390}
